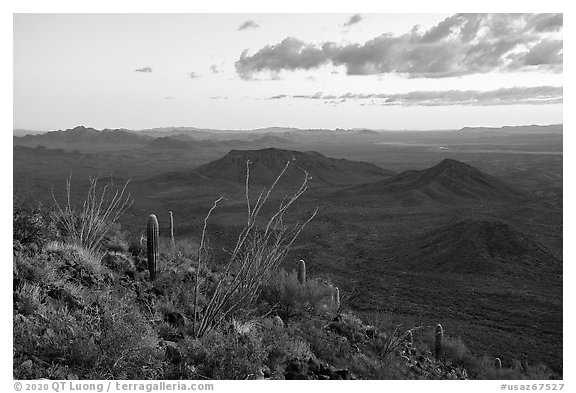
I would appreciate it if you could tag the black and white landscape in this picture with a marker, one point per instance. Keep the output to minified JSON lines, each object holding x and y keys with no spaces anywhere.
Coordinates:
{"x":421,"y":164}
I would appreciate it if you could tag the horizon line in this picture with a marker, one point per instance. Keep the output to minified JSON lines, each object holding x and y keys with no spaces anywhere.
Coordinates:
{"x":287,"y":127}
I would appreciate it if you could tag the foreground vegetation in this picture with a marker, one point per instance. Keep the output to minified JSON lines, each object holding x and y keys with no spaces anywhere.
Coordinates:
{"x":94,"y":313}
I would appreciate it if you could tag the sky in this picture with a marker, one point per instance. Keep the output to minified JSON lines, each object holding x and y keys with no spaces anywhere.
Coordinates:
{"x":246,"y":71}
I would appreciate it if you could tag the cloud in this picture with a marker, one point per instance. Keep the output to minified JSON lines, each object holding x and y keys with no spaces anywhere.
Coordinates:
{"x":214,"y":69}
{"x":249,"y":24}
{"x":144,"y":69}
{"x":459,"y":45}
{"x":505,"y":96}
{"x":353,"y":20}
{"x":193,"y":75}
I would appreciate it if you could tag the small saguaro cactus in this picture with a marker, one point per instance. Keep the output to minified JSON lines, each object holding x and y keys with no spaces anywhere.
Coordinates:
{"x":409,"y":338}
{"x":336,"y":295}
{"x":278,"y":321}
{"x":172,"y":230}
{"x":152,"y":244}
{"x":498,"y":364}
{"x":302,"y":271}
{"x":439,"y":337}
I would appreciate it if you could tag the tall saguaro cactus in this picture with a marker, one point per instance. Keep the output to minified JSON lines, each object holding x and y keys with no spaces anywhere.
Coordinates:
{"x":302,"y":271}
{"x":439,"y":337}
{"x":172,"y":230}
{"x":152,"y":244}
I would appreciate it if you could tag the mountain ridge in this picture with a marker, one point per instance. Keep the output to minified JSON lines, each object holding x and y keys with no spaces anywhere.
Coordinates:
{"x":448,"y":182}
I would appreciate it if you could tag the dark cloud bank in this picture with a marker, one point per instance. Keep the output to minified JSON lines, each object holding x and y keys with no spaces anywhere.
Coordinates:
{"x":504,"y":96}
{"x":461,"y":44}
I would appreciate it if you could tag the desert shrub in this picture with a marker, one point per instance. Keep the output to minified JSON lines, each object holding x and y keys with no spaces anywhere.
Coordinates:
{"x":281,"y":347}
{"x":128,"y":341}
{"x":118,"y":262}
{"x":76,"y":254}
{"x":349,"y":326}
{"x":325,"y":344}
{"x":232,"y":355}
{"x":115,"y":239}
{"x":90,"y":225}
{"x":27,"y":298}
{"x":292,"y":299}
{"x":31,"y":224}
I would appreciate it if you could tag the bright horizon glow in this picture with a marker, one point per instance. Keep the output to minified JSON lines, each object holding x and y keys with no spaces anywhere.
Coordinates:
{"x":80,"y":69}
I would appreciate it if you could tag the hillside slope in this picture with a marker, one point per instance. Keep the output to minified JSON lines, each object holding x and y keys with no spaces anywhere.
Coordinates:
{"x":478,"y":247}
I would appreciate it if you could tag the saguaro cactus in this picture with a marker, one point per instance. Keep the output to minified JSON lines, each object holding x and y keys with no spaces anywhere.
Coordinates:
{"x":278,"y":321}
{"x":301,"y":271}
{"x":152,"y":244}
{"x":337,"y":298}
{"x":498,"y":364}
{"x":172,"y":229}
{"x":439,"y":337}
{"x":409,"y":337}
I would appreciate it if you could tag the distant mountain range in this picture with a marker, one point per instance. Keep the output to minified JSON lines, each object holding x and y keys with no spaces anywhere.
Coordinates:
{"x":85,"y":138}
{"x":207,"y":133}
{"x":187,"y":142}
{"x":530,"y":129}
{"x":449,"y":182}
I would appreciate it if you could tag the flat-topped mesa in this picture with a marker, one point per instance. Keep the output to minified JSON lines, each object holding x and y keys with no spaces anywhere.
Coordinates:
{"x":267,"y":163}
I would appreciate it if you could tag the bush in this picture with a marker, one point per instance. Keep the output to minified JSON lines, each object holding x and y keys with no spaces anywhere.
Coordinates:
{"x":31,"y":224}
{"x":292,"y":299}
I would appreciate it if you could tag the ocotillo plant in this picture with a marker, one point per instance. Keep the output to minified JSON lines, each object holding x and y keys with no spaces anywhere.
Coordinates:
{"x":152,"y":244}
{"x":498,"y":364}
{"x":302,"y":271}
{"x":439,"y":337}
{"x":172,"y":230}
